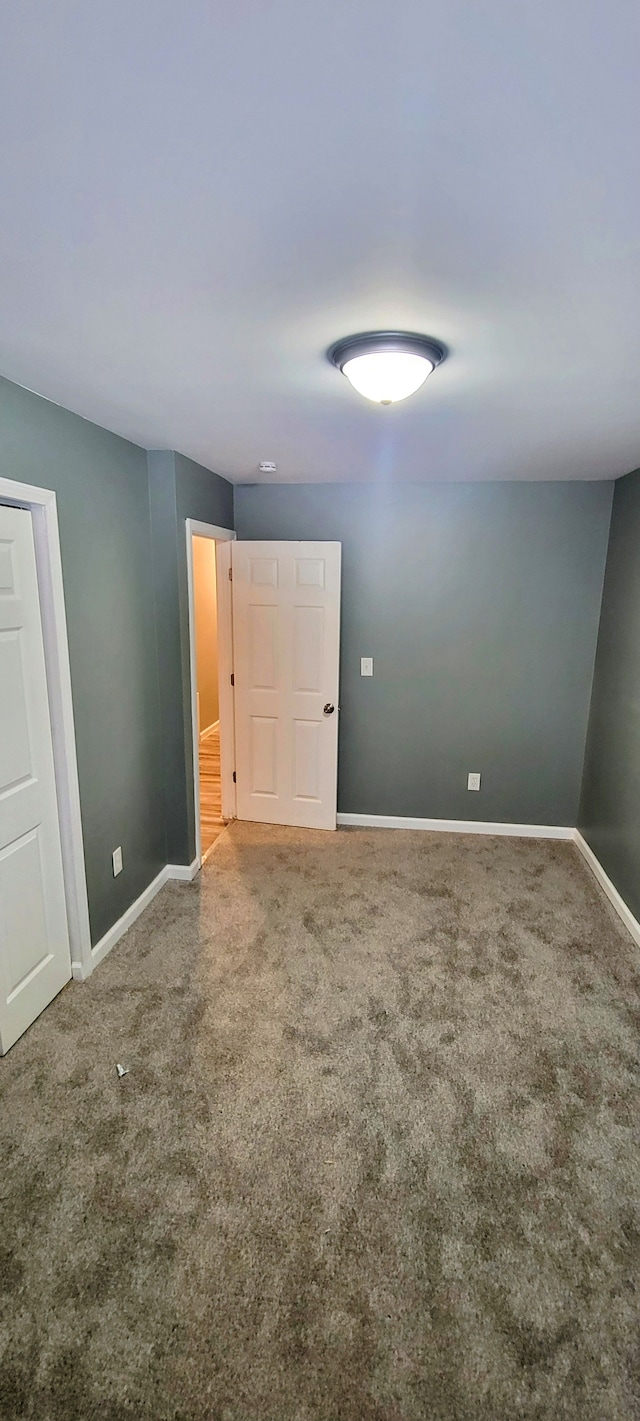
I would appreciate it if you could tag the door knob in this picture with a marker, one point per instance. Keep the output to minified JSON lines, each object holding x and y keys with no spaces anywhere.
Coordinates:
{"x":329,"y":709}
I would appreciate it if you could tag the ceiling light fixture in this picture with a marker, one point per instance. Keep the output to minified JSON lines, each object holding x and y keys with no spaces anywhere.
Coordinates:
{"x":386,"y":366}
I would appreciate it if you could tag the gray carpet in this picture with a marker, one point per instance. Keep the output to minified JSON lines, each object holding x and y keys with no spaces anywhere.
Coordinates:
{"x":374,"y":1160}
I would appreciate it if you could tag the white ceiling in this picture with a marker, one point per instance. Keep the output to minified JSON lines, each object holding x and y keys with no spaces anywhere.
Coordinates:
{"x":199,"y":197}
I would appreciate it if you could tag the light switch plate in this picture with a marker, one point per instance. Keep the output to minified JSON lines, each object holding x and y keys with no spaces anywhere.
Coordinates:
{"x":366,"y":666}
{"x":117,"y":861}
{"x":473,"y":780}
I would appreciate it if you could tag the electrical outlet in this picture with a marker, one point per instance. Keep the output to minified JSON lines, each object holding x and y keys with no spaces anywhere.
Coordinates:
{"x":366,"y":666}
{"x":473,"y":780}
{"x":116,"y":859}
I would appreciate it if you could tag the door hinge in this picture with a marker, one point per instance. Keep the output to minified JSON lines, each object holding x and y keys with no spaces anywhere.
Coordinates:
{"x":233,"y":679}
{"x":231,"y":574}
{"x":234,"y":777}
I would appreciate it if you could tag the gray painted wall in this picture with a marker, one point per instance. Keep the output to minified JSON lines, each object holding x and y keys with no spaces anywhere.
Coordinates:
{"x":164,"y":534}
{"x":122,"y":536}
{"x":179,"y":489}
{"x":480,"y":606}
{"x":610,"y":805}
{"x":103,"y":507}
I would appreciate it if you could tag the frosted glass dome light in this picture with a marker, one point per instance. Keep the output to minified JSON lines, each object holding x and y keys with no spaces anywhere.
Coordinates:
{"x":386,"y":366}
{"x":388,"y":375}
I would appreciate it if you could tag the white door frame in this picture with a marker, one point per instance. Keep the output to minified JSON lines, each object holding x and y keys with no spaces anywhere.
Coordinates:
{"x":225,"y":668}
{"x":41,"y":503}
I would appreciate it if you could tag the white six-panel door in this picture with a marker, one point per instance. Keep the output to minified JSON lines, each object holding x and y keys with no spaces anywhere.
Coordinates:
{"x":35,"y":960}
{"x":286,"y":635}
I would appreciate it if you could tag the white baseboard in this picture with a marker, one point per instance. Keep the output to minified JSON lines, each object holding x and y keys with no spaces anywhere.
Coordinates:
{"x":122,"y":926}
{"x":457,"y":826}
{"x":615,"y":898}
{"x":215,"y":725}
{"x":184,"y":873}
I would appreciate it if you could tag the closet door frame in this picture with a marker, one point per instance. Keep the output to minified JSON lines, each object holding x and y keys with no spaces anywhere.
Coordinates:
{"x":42,"y":505}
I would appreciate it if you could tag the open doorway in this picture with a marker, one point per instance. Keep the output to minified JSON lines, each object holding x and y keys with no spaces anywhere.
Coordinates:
{"x":205,"y":610}
{"x":210,"y":649}
{"x":278,"y":633}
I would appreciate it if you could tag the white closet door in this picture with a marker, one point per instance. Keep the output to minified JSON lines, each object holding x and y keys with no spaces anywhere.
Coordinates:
{"x":286,"y":635}
{"x":35,"y":960}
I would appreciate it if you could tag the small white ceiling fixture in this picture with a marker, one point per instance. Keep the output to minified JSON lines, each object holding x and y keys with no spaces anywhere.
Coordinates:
{"x":267,"y":466}
{"x":386,"y":366}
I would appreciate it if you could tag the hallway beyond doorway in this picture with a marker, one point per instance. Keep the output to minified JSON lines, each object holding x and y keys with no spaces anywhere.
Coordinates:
{"x":211,"y":822}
